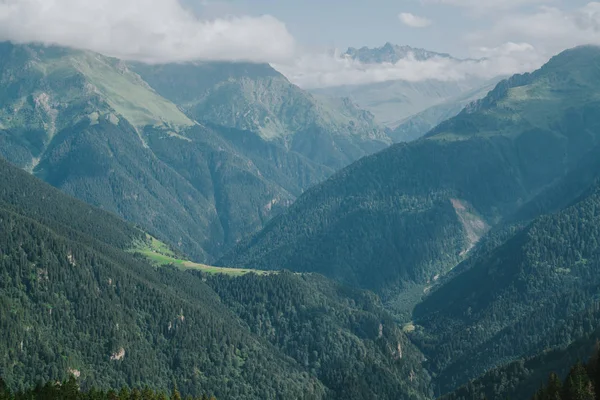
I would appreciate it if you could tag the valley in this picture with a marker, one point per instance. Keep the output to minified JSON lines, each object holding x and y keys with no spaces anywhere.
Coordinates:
{"x":204,"y":227}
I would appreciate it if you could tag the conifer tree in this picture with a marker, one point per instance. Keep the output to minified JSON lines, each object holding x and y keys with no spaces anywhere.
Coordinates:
{"x":175,"y":395}
{"x":578,"y":385}
{"x":554,"y":390}
{"x":124,"y":394}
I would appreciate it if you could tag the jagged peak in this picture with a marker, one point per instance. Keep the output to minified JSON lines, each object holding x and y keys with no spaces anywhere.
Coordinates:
{"x":390,"y":52}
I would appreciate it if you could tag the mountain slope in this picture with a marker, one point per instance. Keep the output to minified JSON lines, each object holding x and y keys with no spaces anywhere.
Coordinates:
{"x":92,"y":127}
{"x":259,"y":99}
{"x":523,"y":378}
{"x":340,"y":335}
{"x":538,"y":290}
{"x":421,"y":123}
{"x":414,"y":211}
{"x":74,"y":301}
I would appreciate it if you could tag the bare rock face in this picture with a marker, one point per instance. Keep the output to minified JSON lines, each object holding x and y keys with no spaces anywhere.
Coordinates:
{"x":119,"y":355}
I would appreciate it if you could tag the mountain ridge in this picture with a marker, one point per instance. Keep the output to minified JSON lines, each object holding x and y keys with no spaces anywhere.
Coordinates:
{"x":94,"y":127}
{"x":486,"y":160}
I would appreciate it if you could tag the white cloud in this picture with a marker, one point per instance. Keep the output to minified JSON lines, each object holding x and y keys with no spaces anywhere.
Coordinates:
{"x":326,"y":70}
{"x":414,"y":21}
{"x":153,"y":31}
{"x":549,"y":29}
{"x":483,"y":6}
{"x":165,"y":31}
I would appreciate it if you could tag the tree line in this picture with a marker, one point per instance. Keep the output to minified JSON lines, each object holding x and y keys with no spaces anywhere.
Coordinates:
{"x":69,"y":390}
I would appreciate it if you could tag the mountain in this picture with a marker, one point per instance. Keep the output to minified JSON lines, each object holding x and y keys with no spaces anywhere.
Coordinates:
{"x":536,"y":291}
{"x":392,"y":102}
{"x":421,"y":123}
{"x":259,"y":99}
{"x":75,"y":300}
{"x":391,"y":53}
{"x":339,"y":335}
{"x":522,"y":379}
{"x":395,"y":221}
{"x":93,"y":127}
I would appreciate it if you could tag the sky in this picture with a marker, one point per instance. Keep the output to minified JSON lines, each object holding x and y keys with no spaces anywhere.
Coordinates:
{"x":304,"y":39}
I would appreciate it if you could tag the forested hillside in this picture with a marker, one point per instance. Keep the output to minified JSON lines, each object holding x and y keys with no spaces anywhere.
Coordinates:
{"x":340,"y":335}
{"x":70,"y":390}
{"x":74,"y":302}
{"x":414,"y":211}
{"x":537,"y":291}
{"x":524,"y":378}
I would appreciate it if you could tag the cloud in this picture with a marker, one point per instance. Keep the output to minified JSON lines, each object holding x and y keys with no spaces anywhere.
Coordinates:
{"x":414,"y":21}
{"x":151,"y":31}
{"x":549,"y":29}
{"x":166,"y":31}
{"x":326,"y":70}
{"x":484,"y":6}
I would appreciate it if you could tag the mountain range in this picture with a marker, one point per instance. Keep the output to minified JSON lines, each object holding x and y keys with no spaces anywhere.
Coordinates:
{"x":463,"y":263}
{"x":445,"y":223}
{"x":173,"y":147}
{"x":393,"y":102}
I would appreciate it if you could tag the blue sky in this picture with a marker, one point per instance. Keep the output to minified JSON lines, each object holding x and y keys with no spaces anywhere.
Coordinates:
{"x":298,"y":37}
{"x":346,"y":23}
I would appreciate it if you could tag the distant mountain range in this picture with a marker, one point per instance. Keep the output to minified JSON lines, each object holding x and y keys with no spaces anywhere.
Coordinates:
{"x":391,"y":53}
{"x":394,"y":102}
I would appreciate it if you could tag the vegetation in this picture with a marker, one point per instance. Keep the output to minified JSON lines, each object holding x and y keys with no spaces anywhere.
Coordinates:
{"x":342,"y":336}
{"x":75,"y":301}
{"x":523,"y":378}
{"x":482,"y":238}
{"x":414,"y":211}
{"x":329,"y":132}
{"x":536,"y":291}
{"x":160,"y":254}
{"x":91,"y":126}
{"x":504,"y":195}
{"x":69,"y":390}
{"x":419,"y":124}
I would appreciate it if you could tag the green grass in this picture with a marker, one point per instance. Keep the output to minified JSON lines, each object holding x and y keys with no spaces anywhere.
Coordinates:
{"x":122,"y":89}
{"x":160,"y":254}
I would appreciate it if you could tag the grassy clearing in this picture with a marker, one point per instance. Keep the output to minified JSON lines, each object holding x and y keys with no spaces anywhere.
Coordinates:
{"x":160,"y":254}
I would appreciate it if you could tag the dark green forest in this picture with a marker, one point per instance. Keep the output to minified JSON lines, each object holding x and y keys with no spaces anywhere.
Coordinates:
{"x":70,"y":390}
{"x":538,"y":290}
{"x":341,"y":335}
{"x":576,"y":381}
{"x":72,"y":301}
